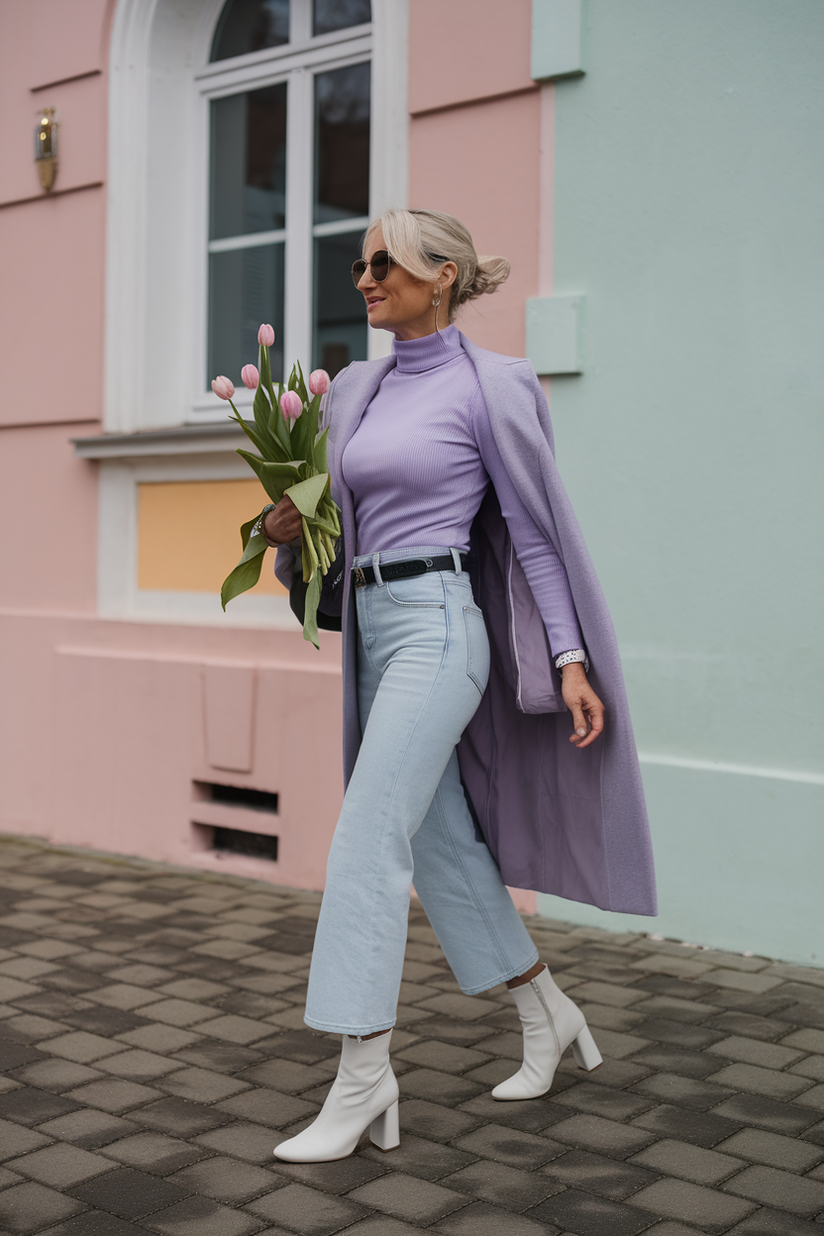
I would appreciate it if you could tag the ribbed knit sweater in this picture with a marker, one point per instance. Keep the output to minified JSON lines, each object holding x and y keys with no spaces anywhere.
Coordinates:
{"x":419,"y":464}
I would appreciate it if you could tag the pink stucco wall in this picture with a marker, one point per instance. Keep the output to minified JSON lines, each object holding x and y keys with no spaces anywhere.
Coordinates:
{"x":110,"y":729}
{"x":474,"y":146}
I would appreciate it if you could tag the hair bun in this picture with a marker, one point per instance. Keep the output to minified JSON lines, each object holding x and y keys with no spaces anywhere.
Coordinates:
{"x":489,"y":275}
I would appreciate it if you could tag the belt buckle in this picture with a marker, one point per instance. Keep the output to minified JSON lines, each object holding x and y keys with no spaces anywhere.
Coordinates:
{"x":358,"y":577}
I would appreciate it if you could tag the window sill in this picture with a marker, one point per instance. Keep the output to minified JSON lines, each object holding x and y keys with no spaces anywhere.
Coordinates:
{"x":205,"y":439}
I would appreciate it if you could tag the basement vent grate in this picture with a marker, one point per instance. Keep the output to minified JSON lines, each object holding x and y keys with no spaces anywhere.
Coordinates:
{"x":237,"y":796}
{"x":253,"y":845}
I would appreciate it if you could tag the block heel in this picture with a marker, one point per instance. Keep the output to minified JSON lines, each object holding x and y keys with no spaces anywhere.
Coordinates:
{"x":385,"y":1130}
{"x":587,"y":1055}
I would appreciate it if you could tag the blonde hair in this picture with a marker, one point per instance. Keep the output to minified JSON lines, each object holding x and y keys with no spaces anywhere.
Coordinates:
{"x":422,"y":240}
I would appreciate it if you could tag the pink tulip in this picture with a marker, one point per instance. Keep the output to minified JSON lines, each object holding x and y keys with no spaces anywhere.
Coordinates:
{"x":250,"y":376}
{"x":223,"y":388}
{"x":318,"y":382}
{"x":266,"y":335}
{"x":291,"y":405}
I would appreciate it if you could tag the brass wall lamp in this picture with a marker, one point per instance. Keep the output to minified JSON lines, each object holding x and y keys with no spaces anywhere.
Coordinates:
{"x":45,"y":147}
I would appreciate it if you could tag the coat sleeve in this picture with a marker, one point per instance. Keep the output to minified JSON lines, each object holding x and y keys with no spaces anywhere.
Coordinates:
{"x":541,"y":563}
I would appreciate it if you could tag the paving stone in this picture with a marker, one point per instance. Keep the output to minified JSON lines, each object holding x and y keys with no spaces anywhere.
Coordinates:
{"x":180,"y":1013}
{"x":88,"y":1128}
{"x":252,"y":1142}
{"x":773,"y":1149}
{"x":510,"y":1146}
{"x":741,"y":981}
{"x":127,"y":1193}
{"x":596,"y":1173}
{"x":113,"y":1094}
{"x":340,"y":1176}
{"x":756,"y":1080}
{"x":14,"y":1055}
{"x":810,"y":1066}
{"x":433,"y":1121}
{"x":30,"y":1106}
{"x":531,"y":1115}
{"x":56,"y":1075}
{"x":768,"y":1222}
{"x":225,"y":1179}
{"x":813,"y":1098}
{"x":438,"y":1087}
{"x":82,"y":1047}
{"x":806,"y":1040}
{"x":180,"y":1117}
{"x":60,"y":1166}
{"x":124,"y":996}
{"x":202,"y":1085}
{"x":597,"y":1101}
{"x":674,"y":1008}
{"x":236,"y":1029}
{"x":288,"y":1076}
{"x":307,"y":1211}
{"x":267,"y":1106}
{"x":502,"y":1185}
{"x":92,"y":1223}
{"x":379,"y":1225}
{"x":30,"y":1207}
{"x":673,"y":1158}
{"x":667,"y":1030}
{"x":409,"y":1198}
{"x":141,"y":974}
{"x":29,"y":1028}
{"x":482,"y":1219}
{"x":767,"y":1113}
{"x":699,"y":1128}
{"x":683,"y":1091}
{"x":772,"y":1187}
{"x":706,"y":1208}
{"x":137,"y":1065}
{"x":754,"y":1051}
{"x":451,"y":1030}
{"x":445,"y":1057}
{"x":15,"y":1140}
{"x":600,"y":1135}
{"x":590,"y":1216}
{"x":417,"y":1156}
{"x":104,"y":1021}
{"x":200,"y":1216}
{"x":159,"y":1038}
{"x":748,"y":1025}
{"x":155,"y":1152}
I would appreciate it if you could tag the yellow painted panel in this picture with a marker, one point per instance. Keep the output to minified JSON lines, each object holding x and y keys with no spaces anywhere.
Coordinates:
{"x":188,"y":534}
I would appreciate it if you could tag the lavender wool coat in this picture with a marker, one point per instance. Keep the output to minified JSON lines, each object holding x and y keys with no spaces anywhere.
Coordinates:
{"x":556,"y":819}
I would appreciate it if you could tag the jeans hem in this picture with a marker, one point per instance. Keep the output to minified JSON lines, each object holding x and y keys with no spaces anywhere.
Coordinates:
{"x":503,"y":978}
{"x":352,"y":1030}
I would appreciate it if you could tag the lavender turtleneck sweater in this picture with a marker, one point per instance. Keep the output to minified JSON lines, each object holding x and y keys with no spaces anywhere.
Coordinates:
{"x":420,"y":461}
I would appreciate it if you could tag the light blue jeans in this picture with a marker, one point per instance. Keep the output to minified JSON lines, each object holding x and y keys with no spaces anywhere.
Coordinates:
{"x":423,"y":664}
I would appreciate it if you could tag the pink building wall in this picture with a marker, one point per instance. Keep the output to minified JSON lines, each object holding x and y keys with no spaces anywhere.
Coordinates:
{"x":108,"y":728}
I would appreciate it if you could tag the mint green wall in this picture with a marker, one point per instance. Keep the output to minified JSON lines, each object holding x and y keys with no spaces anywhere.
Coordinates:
{"x":689,"y":210}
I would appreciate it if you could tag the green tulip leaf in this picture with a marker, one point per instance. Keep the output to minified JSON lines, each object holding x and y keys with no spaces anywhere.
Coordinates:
{"x":307,"y":494}
{"x":247,"y":572}
{"x":310,"y":613}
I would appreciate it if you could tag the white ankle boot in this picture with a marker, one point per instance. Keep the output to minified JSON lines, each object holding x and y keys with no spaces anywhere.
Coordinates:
{"x":364,"y":1095}
{"x":551,"y":1022}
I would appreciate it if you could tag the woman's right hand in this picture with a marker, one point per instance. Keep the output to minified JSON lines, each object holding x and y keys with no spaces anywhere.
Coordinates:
{"x":282,"y":525}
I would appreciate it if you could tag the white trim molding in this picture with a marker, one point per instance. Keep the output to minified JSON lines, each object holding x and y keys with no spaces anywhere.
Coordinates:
{"x":159,"y":81}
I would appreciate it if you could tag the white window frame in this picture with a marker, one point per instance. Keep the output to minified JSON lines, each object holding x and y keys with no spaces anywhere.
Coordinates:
{"x":160,"y":83}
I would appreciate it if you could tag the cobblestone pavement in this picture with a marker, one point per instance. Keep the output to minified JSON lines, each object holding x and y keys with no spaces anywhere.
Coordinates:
{"x":153,"y":1052}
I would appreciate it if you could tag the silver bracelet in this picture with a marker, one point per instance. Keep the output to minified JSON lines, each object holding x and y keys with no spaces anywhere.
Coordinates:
{"x":257,"y":526}
{"x":568,"y":658}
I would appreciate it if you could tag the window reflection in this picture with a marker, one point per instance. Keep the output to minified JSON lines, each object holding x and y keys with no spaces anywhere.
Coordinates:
{"x":342,"y":143}
{"x":245,"y":289}
{"x":248,"y":165}
{"x":250,"y":26}
{"x":329,"y":15}
{"x":340,"y":315}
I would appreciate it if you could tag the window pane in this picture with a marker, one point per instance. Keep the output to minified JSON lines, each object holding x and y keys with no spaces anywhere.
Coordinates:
{"x":342,"y":143}
{"x":245,"y":289}
{"x":340,"y":314}
{"x":248,"y":162}
{"x":337,"y":14}
{"x":249,"y":26}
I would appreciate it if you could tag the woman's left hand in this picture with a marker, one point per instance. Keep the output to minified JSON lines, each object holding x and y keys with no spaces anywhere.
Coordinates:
{"x":585,"y":706}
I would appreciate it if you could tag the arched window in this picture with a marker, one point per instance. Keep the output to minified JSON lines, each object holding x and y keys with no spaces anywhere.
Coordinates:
{"x":288,"y":91}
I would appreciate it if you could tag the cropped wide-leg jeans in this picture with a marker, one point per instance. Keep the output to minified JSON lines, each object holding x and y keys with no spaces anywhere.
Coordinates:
{"x":423,"y":665}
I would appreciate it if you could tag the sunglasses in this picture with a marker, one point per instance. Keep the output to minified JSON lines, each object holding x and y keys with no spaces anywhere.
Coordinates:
{"x":380,"y":263}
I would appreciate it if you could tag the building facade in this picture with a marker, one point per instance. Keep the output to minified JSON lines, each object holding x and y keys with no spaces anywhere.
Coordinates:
{"x":652,"y":171}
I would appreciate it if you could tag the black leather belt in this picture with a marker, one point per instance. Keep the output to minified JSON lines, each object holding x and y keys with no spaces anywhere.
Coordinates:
{"x":361,"y":576}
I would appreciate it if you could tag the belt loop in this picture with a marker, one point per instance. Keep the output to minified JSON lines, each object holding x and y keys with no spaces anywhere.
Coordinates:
{"x":376,"y":567}
{"x":456,"y":558}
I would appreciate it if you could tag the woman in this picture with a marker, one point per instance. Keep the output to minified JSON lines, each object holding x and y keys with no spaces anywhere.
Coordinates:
{"x":461,"y":769}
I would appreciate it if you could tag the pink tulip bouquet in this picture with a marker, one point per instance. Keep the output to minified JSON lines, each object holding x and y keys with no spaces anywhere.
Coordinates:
{"x":291,"y":461}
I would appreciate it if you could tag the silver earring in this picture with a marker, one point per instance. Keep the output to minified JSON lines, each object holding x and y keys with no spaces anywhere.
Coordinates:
{"x":437,"y":302}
